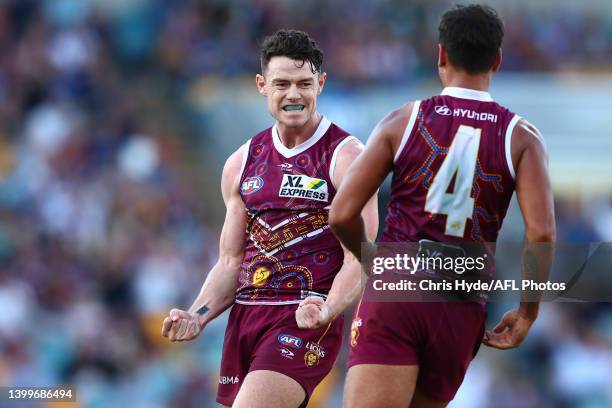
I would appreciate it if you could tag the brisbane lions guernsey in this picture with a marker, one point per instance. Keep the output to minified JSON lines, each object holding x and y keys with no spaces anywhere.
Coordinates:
{"x":290,"y":253}
{"x":453,"y":175}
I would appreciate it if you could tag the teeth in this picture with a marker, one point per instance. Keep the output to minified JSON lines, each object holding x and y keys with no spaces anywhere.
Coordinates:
{"x":293,"y":107}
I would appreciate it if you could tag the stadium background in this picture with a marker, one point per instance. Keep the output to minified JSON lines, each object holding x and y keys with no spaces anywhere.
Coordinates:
{"x":115,"y":119}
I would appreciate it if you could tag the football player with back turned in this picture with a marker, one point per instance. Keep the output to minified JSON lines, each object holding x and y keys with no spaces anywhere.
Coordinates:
{"x":456,"y":160}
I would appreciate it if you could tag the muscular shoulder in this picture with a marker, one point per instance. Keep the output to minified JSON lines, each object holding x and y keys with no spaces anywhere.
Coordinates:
{"x":526,"y":136}
{"x":392,"y":127}
{"x":230,"y":179}
{"x":397,"y":119}
{"x":345,"y":156}
{"x":350,"y":150}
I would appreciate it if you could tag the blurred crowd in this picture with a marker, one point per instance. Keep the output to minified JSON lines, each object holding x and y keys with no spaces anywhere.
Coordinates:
{"x":108,"y":215}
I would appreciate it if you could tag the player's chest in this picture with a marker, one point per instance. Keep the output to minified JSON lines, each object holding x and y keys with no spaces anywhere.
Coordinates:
{"x":271,"y":182}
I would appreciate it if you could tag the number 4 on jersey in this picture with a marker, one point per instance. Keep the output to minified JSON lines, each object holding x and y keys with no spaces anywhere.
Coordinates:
{"x":460,"y":164}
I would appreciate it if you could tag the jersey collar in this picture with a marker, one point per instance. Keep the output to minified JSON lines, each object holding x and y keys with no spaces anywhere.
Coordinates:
{"x":318,"y":134}
{"x":465,"y":93}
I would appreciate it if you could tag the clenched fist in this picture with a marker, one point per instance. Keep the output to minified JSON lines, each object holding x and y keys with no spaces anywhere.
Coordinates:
{"x":181,"y":326}
{"x":312,"y":313}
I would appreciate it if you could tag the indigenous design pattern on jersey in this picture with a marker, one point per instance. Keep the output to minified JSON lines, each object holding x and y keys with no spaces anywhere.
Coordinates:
{"x":453,"y":176}
{"x":291,"y":253}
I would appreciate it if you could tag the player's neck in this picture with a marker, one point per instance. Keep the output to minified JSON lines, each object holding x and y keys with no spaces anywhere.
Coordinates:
{"x":465,"y":80}
{"x":294,"y":136}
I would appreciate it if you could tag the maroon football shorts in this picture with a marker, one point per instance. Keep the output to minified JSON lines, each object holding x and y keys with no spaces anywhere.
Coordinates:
{"x":261,"y":337}
{"x":441,"y":338}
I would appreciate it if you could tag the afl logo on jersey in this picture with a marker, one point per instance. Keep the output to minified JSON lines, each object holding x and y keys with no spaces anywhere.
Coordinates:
{"x":289,"y":340}
{"x":251,"y":185}
{"x":443,"y":110}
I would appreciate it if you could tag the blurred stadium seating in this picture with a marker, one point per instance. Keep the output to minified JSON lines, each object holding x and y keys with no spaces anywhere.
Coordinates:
{"x":115,"y":117}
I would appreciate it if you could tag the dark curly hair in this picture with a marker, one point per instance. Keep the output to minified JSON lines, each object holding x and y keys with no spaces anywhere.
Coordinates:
{"x":472,"y":36}
{"x":293,"y":44}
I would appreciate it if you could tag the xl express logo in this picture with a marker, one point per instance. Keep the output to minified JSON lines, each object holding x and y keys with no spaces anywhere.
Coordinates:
{"x":251,"y":185}
{"x":303,"y":187}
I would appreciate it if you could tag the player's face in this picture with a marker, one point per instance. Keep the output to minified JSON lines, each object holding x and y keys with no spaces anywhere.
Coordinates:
{"x":292,"y":89}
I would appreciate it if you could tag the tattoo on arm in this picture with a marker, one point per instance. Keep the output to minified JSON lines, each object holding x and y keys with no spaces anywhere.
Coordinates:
{"x":203,"y":310}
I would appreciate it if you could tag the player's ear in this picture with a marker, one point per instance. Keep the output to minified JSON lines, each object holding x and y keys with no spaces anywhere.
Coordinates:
{"x":261,"y":84}
{"x":442,"y":57}
{"x":498,"y":61}
{"x":322,"y":79}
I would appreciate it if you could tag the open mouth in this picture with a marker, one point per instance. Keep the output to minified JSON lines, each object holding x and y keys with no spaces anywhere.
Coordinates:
{"x":293,"y":108}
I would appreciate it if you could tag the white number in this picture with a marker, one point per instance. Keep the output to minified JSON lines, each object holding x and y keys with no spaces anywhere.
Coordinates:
{"x":460,"y":163}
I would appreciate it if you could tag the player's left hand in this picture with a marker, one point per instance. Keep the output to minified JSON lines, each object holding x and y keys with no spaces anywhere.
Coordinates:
{"x":312,"y":313}
{"x":509,"y":332}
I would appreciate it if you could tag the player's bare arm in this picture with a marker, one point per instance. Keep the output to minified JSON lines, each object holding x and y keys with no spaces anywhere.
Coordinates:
{"x":217,"y":292}
{"x":313,"y":312}
{"x":535,"y":199}
{"x":363,"y":179}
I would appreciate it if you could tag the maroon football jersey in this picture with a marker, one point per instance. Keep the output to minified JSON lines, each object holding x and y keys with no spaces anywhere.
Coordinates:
{"x":453,"y":175}
{"x":291,"y":253}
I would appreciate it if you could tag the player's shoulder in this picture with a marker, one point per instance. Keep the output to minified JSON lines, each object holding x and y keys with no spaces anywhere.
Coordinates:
{"x":339,"y":141}
{"x":527,"y":128}
{"x":397,"y":119}
{"x":350,"y":148}
{"x":393,"y":124}
{"x":234,"y":161}
{"x":345,"y":153}
{"x":525,"y":135}
{"x":230,"y":177}
{"x":391,"y":129}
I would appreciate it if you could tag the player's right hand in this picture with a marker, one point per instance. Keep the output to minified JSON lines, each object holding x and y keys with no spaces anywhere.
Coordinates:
{"x":312,"y":313}
{"x":181,"y":326}
{"x":509,"y":332}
